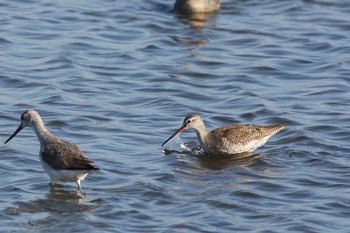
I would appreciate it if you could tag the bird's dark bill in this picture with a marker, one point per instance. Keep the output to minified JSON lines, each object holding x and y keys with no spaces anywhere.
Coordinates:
{"x":14,"y":134}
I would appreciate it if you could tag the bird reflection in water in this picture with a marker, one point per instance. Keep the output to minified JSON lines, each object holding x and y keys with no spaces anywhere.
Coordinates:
{"x":56,"y":201}
{"x":219,"y":162}
{"x":60,"y":194}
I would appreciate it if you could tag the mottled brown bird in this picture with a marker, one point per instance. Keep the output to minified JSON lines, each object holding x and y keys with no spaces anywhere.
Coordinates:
{"x":230,"y":139}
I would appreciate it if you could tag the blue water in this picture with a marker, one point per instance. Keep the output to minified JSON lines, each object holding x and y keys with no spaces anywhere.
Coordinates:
{"x":118,"y":77}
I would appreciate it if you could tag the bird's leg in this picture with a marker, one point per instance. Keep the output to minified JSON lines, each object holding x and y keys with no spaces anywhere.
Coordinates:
{"x":78,"y":183}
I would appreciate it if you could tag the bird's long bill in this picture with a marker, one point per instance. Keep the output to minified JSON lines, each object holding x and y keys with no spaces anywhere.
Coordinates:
{"x":14,"y":134}
{"x":174,"y":135}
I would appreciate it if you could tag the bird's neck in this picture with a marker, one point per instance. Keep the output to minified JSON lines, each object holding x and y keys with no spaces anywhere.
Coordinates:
{"x":201,"y":132}
{"x":40,"y":130}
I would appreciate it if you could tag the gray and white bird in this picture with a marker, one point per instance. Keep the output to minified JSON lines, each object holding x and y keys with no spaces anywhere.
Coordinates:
{"x":62,"y":161}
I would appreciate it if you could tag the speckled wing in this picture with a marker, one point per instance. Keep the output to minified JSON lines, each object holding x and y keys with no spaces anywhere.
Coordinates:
{"x":64,"y":155}
{"x":242,"y":134}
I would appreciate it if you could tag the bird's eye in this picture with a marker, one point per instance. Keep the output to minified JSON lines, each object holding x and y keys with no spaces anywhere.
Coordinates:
{"x":188,"y":121}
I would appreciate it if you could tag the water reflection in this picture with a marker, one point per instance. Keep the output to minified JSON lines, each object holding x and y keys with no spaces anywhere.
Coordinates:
{"x":191,"y":42}
{"x":220,"y":162}
{"x":57,"y":200}
{"x":59,"y":194}
{"x":199,"y":19}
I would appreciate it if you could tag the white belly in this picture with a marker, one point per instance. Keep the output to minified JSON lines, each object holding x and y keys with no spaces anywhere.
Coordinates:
{"x":64,"y":175}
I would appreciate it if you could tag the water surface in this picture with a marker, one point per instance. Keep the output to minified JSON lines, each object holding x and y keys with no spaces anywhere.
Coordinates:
{"x":118,"y":77}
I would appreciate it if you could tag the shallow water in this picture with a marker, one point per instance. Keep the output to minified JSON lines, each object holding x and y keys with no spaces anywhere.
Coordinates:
{"x":118,"y":77}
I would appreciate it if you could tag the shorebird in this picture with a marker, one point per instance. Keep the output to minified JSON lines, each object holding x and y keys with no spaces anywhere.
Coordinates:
{"x":230,"y":139}
{"x":196,"y":6}
{"x":61,"y":160}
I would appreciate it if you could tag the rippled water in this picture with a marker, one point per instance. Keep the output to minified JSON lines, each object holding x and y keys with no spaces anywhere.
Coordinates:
{"x":118,"y":77}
